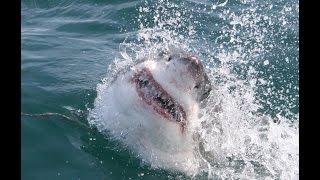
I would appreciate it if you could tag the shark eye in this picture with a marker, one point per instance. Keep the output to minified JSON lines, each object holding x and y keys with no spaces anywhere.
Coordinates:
{"x":170,"y":58}
{"x":197,"y":86}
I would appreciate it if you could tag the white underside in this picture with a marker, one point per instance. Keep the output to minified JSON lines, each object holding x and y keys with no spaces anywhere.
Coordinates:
{"x":157,"y":141}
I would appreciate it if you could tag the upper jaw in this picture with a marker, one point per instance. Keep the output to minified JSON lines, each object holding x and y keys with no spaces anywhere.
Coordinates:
{"x":195,"y":69}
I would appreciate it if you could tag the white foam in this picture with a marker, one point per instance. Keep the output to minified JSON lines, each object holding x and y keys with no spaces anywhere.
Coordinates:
{"x":237,"y":141}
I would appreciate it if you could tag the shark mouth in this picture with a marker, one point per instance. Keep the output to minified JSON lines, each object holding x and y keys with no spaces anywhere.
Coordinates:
{"x":152,"y":93}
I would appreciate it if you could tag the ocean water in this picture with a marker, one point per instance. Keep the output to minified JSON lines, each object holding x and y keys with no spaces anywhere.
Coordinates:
{"x":250,"y":50}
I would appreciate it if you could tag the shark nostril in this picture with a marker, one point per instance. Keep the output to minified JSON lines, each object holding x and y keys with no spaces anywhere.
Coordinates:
{"x":194,"y":59}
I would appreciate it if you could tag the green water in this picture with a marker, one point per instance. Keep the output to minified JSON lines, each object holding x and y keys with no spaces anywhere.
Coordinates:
{"x":66,"y":49}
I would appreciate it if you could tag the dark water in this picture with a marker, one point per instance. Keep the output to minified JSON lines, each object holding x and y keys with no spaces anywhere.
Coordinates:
{"x":68,"y":45}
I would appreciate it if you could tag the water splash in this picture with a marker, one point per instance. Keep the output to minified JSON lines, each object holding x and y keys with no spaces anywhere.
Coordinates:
{"x":249,"y":128}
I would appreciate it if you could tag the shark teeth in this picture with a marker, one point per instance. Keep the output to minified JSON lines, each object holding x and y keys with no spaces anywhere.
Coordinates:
{"x":152,"y":93}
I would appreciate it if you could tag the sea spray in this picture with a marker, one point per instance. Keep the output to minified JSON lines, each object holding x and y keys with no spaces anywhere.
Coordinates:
{"x":246,"y":130}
